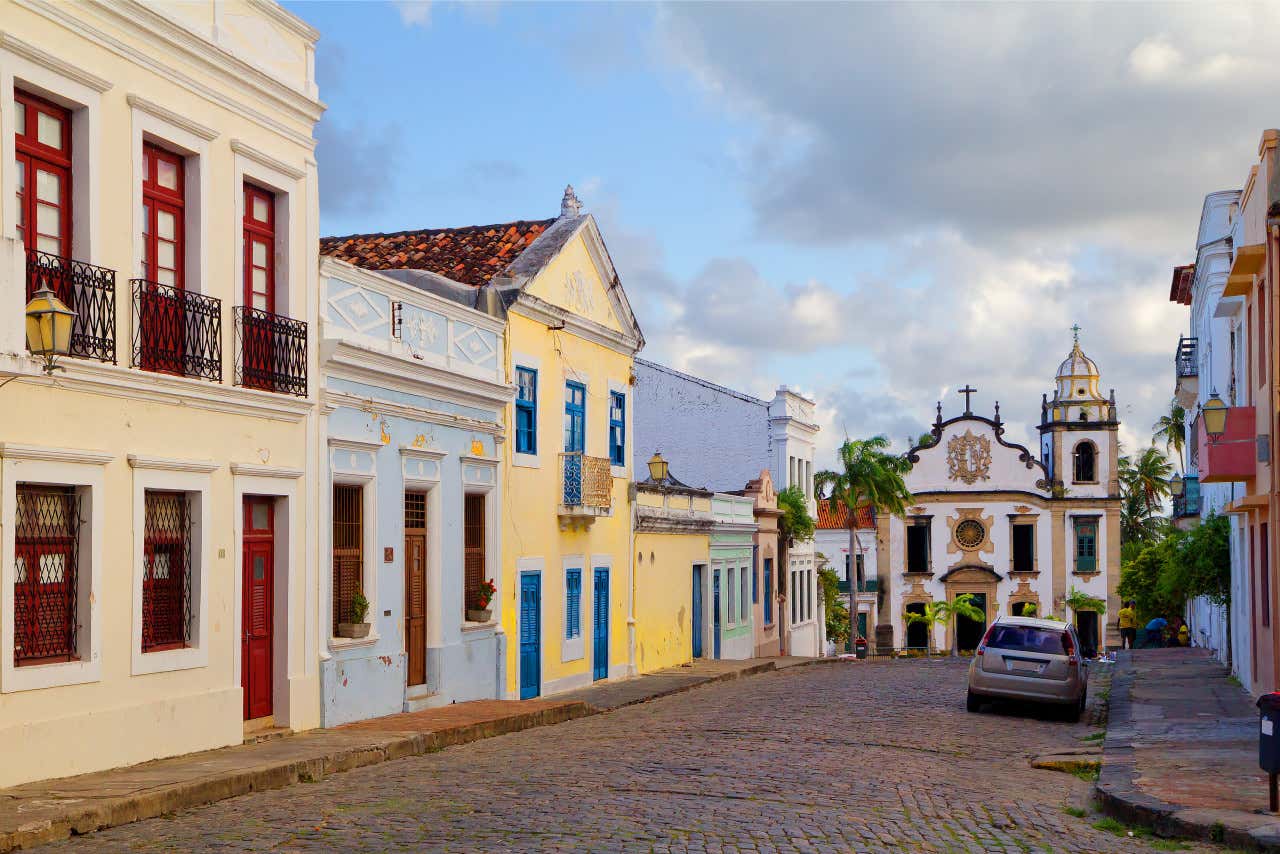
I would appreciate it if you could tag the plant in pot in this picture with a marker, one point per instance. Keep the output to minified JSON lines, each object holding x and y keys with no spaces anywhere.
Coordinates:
{"x":483,"y":596}
{"x":357,"y":628}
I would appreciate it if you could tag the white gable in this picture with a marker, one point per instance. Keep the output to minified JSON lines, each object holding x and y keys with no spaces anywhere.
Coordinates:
{"x":972,"y":457}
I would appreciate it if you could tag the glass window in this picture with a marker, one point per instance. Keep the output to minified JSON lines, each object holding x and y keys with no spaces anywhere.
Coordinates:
{"x":768,"y":591}
{"x":348,"y":550}
{"x":575,"y":417}
{"x":163,"y":206}
{"x":526,"y":411}
{"x":46,"y":550}
{"x":617,"y":429}
{"x":1086,"y":545}
{"x":259,"y":235}
{"x":745,"y":604}
{"x":731,"y":602}
{"x":166,"y":581}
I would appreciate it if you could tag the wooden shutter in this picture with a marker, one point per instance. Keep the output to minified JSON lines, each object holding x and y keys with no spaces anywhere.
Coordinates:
{"x":473,"y":544}
{"x":348,"y":549}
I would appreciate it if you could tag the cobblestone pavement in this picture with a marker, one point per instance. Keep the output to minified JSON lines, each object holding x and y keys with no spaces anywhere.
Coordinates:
{"x":841,"y":757}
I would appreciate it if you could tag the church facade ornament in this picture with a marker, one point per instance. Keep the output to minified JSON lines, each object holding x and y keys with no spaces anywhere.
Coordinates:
{"x":969,"y":458}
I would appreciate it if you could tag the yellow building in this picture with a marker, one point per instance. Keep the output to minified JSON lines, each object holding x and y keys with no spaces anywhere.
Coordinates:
{"x":673,"y":551}
{"x":157,"y":176}
{"x":565,"y":593}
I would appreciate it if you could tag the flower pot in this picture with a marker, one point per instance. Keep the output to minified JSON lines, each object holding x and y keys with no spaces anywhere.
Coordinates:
{"x":353,"y":630}
{"x":481,"y":615}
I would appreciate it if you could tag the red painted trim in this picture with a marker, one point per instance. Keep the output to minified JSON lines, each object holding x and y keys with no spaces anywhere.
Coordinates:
{"x":262,"y":232}
{"x":156,"y":198}
{"x":32,"y":154}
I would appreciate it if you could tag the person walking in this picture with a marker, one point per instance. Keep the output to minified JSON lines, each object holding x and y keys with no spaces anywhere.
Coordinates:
{"x":1155,"y":630}
{"x":1128,"y":624}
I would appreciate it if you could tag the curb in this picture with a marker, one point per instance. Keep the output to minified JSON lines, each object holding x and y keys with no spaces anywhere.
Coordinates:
{"x":370,"y":747}
{"x":1119,"y":796}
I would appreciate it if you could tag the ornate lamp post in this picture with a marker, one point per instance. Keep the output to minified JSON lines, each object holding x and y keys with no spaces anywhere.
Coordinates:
{"x":658,"y":468}
{"x":48,"y":328}
{"x":1177,"y":486}
{"x":1214,"y":411}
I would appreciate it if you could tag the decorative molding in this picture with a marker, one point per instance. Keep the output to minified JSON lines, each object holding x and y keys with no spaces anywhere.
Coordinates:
{"x":422,"y":453}
{"x":548,"y":314}
{"x":289,"y":21}
{"x":414,"y":413}
{"x":15,"y":451}
{"x":352,"y":362}
{"x":263,"y":159}
{"x":397,"y":290}
{"x":480,"y":461}
{"x":139,"y":461}
{"x":255,"y":470}
{"x":59,"y":66}
{"x":151,"y":108}
{"x":969,"y":458}
{"x":346,"y":444}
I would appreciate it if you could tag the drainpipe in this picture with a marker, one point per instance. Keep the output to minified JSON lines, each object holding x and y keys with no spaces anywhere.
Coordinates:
{"x":631,"y":586}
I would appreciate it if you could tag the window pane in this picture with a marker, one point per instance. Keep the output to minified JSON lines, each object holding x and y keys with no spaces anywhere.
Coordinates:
{"x":165,"y":277}
{"x":260,"y":516}
{"x":259,"y":279}
{"x":20,"y":570}
{"x":20,"y":118}
{"x":261,"y":211}
{"x":259,"y":568}
{"x":166,"y":174}
{"x":259,"y":253}
{"x":165,"y":224}
{"x":48,"y":185}
{"x":52,"y":245}
{"x":48,"y":220}
{"x":49,"y":130}
{"x":260,"y":302}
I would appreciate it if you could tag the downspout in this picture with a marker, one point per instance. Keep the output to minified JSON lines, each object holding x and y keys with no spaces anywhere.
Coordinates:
{"x":631,"y":587}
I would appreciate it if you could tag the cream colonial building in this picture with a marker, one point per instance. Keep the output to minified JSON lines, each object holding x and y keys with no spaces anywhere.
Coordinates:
{"x":990,"y":518}
{"x":157,"y":584}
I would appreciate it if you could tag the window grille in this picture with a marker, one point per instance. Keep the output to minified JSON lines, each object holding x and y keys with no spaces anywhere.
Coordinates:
{"x":415,"y":510}
{"x":46,"y":552}
{"x":348,"y":550}
{"x":166,"y":580}
{"x":473,"y":542}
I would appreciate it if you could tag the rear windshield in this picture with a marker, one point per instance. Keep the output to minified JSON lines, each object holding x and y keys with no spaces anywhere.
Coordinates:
{"x":1028,"y":639}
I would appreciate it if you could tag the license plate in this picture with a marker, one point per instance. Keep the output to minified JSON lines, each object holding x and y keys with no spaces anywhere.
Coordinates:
{"x":1024,"y":667}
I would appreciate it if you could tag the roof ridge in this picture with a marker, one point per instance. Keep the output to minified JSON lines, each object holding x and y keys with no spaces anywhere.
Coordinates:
{"x":408,"y":231}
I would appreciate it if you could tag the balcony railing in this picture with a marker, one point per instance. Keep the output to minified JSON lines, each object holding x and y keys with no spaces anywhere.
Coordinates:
{"x":586,"y":486}
{"x":87,"y":290}
{"x":176,"y":331}
{"x":271,"y":351}
{"x":1186,"y":360}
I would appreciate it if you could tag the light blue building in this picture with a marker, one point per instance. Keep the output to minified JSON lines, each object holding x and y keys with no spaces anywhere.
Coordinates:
{"x":411,"y":416}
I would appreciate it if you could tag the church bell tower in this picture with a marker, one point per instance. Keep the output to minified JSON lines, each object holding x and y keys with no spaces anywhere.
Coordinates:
{"x":1079,"y":430}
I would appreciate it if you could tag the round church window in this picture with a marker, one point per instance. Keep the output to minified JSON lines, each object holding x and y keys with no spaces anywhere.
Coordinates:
{"x":970,"y":534}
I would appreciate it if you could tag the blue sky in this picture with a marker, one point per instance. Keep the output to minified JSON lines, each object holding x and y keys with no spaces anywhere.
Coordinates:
{"x":873,"y":203}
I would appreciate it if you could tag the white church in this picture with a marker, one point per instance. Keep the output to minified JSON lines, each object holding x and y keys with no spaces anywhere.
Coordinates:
{"x":1015,"y":528}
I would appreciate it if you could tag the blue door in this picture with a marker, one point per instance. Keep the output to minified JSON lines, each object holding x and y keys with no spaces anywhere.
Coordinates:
{"x":530,"y":635}
{"x":600,"y":623}
{"x":715,"y":613}
{"x":697,"y":611}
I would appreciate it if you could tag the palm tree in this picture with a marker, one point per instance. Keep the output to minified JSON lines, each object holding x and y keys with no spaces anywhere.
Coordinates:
{"x":1147,"y":476}
{"x":870,"y":476}
{"x":795,"y":525}
{"x":1172,"y":428}
{"x":945,"y":613}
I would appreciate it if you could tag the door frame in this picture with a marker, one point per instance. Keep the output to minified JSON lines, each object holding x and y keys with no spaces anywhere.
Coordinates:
{"x":522,"y":574}
{"x":258,"y":538}
{"x":280,"y":484}
{"x":425,"y":533}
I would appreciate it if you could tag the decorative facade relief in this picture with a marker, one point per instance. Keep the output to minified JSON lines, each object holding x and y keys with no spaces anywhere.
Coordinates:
{"x":352,"y":307}
{"x":969,"y":457}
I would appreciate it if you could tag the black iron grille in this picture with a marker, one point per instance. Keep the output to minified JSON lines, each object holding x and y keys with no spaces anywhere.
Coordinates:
{"x":166,"y":583}
{"x":272,"y":351}
{"x":176,"y":331}
{"x":46,"y":557}
{"x":87,"y":290}
{"x":348,"y":544}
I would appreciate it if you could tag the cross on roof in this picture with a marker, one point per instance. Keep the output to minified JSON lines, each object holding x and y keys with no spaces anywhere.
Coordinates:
{"x":1076,"y":331}
{"x":966,"y":391}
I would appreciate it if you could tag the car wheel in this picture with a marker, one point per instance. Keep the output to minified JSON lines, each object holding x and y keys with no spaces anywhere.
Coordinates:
{"x":973,"y":702}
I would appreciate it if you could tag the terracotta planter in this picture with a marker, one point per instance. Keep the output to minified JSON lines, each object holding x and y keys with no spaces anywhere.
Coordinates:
{"x":479,"y":616}
{"x":353,"y":630}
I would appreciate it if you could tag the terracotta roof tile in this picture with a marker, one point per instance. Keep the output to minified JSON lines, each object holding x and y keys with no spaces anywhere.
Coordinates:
{"x":833,"y":515}
{"x":472,"y":255}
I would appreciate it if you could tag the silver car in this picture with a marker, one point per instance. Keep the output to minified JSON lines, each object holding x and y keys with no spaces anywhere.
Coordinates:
{"x":1023,"y":658}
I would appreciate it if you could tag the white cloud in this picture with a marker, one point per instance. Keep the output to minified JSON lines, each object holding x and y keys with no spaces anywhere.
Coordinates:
{"x":414,"y":13}
{"x":1154,"y":58}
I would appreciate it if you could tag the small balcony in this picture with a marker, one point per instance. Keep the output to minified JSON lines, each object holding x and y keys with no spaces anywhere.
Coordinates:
{"x":1186,"y":365}
{"x":867,"y":585}
{"x":176,"y":331}
{"x":87,"y":290}
{"x":1234,"y":455}
{"x":271,"y":352}
{"x":586,"y":491}
{"x":1187,"y":504}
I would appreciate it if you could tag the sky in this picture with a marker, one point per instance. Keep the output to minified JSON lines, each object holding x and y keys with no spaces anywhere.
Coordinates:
{"x":873,"y":204}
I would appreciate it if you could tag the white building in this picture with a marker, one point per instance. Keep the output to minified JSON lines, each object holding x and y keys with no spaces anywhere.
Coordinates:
{"x":851,"y":552}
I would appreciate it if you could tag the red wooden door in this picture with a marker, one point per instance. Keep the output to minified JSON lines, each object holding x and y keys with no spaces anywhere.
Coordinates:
{"x":259,"y":287}
{"x":415,"y":585}
{"x":257,"y":614}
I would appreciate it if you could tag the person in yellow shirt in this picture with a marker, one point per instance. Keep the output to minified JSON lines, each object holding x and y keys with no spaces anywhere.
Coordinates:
{"x":1184,"y":634}
{"x":1128,"y":624}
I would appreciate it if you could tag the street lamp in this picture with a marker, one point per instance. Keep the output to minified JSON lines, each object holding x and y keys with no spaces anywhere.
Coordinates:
{"x":48,"y":328}
{"x":658,"y":468}
{"x":1176,"y":486}
{"x":1215,"y":417}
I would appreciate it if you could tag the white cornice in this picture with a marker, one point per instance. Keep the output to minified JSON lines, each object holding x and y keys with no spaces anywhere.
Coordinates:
{"x":541,"y":311}
{"x":15,"y":451}
{"x":263,"y":159}
{"x":165,"y":114}
{"x":419,"y":298}
{"x":413,"y":413}
{"x":480,"y":461}
{"x":139,"y":461}
{"x":358,"y":364}
{"x":422,"y":453}
{"x":162,"y":32}
{"x":47,"y":60}
{"x":256,"y":470}
{"x":354,"y":444}
{"x":115,"y":381}
{"x":286,"y":19}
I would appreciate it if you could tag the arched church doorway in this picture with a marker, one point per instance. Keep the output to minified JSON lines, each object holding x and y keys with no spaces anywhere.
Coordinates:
{"x":969,"y":632}
{"x":917,"y":633}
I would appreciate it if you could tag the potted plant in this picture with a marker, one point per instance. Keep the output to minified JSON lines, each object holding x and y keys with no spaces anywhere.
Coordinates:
{"x":483,"y":596}
{"x":357,"y":628}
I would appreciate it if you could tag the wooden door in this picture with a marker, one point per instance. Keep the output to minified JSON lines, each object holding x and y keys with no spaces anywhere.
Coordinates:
{"x":600,"y":633}
{"x":697,"y":611}
{"x":415,"y":585}
{"x":715,"y":613}
{"x":530,"y":635}
{"x":257,"y":616}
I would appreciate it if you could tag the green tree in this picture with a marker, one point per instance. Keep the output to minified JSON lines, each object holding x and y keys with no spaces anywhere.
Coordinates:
{"x":1141,"y":576}
{"x":1144,"y":483}
{"x":838,"y":624}
{"x":942,"y":612}
{"x":795,"y":525}
{"x":868,"y":475}
{"x":1172,"y":428}
{"x":1200,"y":564}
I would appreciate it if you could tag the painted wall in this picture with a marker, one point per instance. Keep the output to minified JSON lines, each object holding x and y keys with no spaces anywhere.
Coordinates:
{"x":114,"y":431}
{"x":664,"y":590}
{"x":533,"y":539}
{"x":732,"y":539}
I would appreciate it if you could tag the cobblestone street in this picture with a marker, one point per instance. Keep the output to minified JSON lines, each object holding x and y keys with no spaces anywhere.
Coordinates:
{"x":866,"y":757}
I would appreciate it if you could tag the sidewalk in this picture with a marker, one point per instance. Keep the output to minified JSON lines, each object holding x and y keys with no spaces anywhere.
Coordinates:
{"x":55,"y":809}
{"x":1181,"y":751}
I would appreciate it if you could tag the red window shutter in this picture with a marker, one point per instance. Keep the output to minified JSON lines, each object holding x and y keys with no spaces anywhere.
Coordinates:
{"x":46,"y":573}
{"x":42,"y":143}
{"x":164,"y":216}
{"x":259,"y":249}
{"x":473,"y":551}
{"x":348,"y":550}
{"x":166,"y":581}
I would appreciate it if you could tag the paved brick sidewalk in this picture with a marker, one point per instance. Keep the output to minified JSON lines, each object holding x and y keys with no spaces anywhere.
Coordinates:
{"x":53,"y":809}
{"x":1181,"y":752}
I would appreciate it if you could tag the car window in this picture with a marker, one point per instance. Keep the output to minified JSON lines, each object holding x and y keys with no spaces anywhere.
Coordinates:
{"x":1028,"y":639}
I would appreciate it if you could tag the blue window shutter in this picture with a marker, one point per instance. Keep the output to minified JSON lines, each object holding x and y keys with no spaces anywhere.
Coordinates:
{"x":755,"y":575}
{"x":768,"y":590}
{"x":617,"y":428}
{"x":573,"y":603}
{"x":526,"y":411}
{"x":575,"y":417}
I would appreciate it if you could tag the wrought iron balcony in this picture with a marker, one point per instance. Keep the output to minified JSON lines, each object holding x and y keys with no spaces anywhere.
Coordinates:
{"x":1186,"y":359}
{"x":1188,"y":503}
{"x":176,"y":331}
{"x":87,"y":290}
{"x":586,"y":488}
{"x":271,"y":351}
